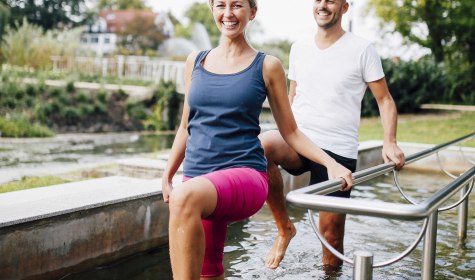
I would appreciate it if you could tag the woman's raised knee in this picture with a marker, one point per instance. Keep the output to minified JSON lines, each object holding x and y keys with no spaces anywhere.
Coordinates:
{"x":181,"y":201}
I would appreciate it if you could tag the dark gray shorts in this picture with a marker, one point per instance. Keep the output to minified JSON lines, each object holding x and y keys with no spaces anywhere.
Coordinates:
{"x":318,"y":172}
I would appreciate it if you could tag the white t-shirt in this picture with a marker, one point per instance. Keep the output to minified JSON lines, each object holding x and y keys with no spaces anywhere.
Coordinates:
{"x":330,"y":87}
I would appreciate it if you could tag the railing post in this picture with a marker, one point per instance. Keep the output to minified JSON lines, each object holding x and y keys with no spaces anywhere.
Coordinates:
{"x":430,"y":244}
{"x":363,"y":265}
{"x":463,"y":214}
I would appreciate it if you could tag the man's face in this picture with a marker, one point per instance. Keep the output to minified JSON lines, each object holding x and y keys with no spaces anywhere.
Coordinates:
{"x":327,"y":13}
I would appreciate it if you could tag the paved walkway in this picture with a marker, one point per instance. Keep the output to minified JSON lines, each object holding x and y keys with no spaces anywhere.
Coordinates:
{"x":134,"y":92}
{"x":467,"y":108}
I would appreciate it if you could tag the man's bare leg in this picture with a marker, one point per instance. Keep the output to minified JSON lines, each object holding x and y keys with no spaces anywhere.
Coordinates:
{"x":332,"y":227}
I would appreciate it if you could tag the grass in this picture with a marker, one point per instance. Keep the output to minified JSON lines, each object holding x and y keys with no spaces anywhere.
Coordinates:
{"x":428,"y":128}
{"x":31,"y":182}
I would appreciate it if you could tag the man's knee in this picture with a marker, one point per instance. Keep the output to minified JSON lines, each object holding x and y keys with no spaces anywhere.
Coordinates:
{"x":269,"y":143}
{"x":274,"y":146}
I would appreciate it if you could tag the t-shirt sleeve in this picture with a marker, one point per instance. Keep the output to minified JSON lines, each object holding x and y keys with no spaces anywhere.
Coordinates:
{"x":291,"y":75}
{"x":372,"y":68}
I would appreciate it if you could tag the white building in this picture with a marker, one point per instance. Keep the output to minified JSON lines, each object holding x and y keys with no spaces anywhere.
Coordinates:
{"x":102,"y":36}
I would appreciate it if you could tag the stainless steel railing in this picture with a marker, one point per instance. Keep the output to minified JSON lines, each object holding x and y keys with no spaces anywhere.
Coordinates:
{"x":312,"y":198}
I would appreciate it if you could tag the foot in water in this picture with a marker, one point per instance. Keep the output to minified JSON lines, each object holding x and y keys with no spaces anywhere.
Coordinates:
{"x":280,"y":245}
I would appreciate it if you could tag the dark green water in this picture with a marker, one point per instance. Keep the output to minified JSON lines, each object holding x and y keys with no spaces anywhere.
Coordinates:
{"x":249,"y":241}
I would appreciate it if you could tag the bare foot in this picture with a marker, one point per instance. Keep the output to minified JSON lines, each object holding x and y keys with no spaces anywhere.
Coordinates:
{"x":280,"y":245}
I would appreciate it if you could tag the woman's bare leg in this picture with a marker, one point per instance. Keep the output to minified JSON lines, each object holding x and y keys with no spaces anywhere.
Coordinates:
{"x":189,"y":203}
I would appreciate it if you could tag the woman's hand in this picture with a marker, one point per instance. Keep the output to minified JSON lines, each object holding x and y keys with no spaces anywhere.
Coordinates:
{"x":167,"y":188}
{"x":336,"y":170}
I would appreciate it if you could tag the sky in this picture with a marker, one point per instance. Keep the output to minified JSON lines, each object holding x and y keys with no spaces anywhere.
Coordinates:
{"x":292,"y":19}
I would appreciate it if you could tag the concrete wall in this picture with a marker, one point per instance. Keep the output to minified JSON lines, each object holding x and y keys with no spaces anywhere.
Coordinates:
{"x":52,"y":247}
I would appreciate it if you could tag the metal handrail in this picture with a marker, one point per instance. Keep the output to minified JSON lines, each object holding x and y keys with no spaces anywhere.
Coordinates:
{"x":312,"y":197}
{"x":398,"y":211}
{"x":373,"y":172}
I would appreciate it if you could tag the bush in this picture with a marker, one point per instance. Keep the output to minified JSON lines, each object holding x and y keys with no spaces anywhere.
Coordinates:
{"x":410,"y":84}
{"x":21,"y":127}
{"x":70,"y":87}
{"x":82,"y":97}
{"x":165,"y":103}
{"x":72,"y":115}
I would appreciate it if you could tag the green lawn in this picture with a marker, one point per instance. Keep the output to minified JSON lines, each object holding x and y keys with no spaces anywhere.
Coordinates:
{"x":428,"y":128}
{"x":32,"y":182}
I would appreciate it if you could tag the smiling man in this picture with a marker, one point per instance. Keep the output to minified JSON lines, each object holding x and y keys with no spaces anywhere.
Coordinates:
{"x":329,"y":73}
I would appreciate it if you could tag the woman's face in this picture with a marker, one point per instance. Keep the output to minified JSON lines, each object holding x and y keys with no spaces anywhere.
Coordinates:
{"x":232,"y":16}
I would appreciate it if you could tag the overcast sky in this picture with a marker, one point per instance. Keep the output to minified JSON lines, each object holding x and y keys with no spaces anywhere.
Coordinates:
{"x":292,"y":19}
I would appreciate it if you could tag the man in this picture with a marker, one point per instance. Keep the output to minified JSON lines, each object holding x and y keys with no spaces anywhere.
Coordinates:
{"x":329,"y":73}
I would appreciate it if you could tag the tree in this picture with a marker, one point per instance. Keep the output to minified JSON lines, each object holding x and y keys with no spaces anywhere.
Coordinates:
{"x":142,"y":33}
{"x":200,"y":12}
{"x":121,"y":5}
{"x":28,"y":45}
{"x":450,"y":35}
{"x":4,"y":16}
{"x":48,"y":14}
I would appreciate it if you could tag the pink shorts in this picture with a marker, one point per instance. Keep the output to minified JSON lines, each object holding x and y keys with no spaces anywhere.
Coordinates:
{"x":241,"y":193}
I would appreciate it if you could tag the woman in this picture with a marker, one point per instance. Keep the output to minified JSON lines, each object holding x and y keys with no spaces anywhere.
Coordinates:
{"x":224,"y":164}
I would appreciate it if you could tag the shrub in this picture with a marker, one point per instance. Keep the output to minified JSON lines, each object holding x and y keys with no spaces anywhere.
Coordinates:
{"x":82,"y":97}
{"x":86,"y":110}
{"x":410,"y":84}
{"x":71,"y":115}
{"x":165,"y":104}
{"x":30,"y":90}
{"x":70,"y":87}
{"x":21,"y":127}
{"x":102,"y":96}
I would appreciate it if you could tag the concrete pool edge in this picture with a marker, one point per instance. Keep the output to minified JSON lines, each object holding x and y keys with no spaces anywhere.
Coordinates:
{"x":65,"y":241}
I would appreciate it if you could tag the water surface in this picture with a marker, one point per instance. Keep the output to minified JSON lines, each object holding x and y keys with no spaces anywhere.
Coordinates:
{"x":249,"y":241}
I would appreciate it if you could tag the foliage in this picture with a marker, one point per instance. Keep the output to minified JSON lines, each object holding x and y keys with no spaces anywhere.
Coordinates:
{"x":4,"y":17}
{"x":27,"y":45}
{"x":67,"y":109}
{"x":410,"y":84}
{"x":31,"y":182}
{"x":279,"y":49}
{"x":49,"y":14}
{"x":142,"y":33}
{"x":448,"y":29}
{"x":121,"y":5}
{"x":200,"y":12}
{"x":21,"y":127}
{"x":165,"y":103}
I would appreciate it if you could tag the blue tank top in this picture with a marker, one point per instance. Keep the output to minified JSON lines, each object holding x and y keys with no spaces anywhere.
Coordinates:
{"x":223,"y":123}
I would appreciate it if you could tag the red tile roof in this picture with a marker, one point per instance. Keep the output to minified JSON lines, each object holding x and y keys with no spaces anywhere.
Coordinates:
{"x":116,"y":19}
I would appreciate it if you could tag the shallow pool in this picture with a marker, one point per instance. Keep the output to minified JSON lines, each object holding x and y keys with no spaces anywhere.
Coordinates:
{"x":70,"y":152}
{"x":249,"y":241}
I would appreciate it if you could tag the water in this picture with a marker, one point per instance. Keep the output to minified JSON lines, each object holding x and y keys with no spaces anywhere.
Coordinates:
{"x":69,"y":152}
{"x":249,"y":241}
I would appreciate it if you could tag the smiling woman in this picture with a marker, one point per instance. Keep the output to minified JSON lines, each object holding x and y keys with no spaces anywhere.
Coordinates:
{"x":225,"y":170}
